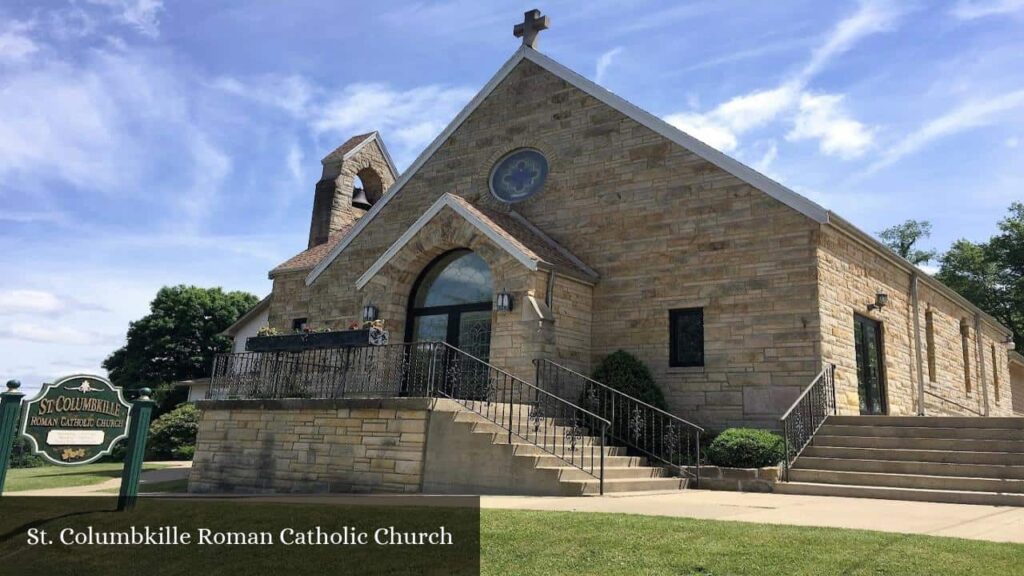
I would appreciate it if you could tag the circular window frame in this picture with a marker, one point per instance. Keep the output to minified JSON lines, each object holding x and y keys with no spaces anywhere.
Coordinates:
{"x":505,"y":156}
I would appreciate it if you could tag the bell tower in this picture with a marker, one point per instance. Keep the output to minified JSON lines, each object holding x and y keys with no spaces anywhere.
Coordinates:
{"x":355,"y":176}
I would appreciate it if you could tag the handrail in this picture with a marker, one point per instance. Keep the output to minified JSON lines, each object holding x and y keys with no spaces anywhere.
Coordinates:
{"x":807,"y":414}
{"x":954,"y":403}
{"x":432,"y":369}
{"x":557,"y":426}
{"x":647,"y":429}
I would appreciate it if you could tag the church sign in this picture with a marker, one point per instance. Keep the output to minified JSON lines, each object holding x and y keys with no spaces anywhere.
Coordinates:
{"x":76,"y":420}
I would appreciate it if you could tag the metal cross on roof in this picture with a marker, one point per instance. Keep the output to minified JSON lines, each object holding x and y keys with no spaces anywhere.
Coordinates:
{"x":532,"y":24}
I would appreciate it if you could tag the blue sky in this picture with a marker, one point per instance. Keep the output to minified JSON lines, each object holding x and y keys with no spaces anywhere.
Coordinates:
{"x":145,"y":143}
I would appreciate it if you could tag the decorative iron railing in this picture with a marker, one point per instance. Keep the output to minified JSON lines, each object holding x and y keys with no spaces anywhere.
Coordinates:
{"x":650,"y":431}
{"x":803,"y":419}
{"x":556,"y":426}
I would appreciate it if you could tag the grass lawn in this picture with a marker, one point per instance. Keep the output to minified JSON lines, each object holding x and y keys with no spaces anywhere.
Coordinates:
{"x":167,"y":487}
{"x":20,"y":479}
{"x":522,"y":542}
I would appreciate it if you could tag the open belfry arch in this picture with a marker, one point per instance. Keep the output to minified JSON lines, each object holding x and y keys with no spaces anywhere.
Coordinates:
{"x":598,"y":227}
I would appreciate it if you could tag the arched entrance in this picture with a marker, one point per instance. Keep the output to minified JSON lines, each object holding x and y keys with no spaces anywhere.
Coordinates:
{"x":451,"y":302}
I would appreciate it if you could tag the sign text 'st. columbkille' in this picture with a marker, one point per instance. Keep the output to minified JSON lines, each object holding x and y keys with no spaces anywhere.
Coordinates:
{"x":174,"y":536}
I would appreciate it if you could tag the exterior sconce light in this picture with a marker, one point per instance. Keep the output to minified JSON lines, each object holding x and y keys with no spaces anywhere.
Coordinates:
{"x":881,"y":299}
{"x":504,"y":301}
{"x":370,"y":313}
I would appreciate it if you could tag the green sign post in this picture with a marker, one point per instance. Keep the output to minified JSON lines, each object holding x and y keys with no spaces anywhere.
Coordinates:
{"x":142,"y":409}
{"x":10,"y":406}
{"x":76,"y":420}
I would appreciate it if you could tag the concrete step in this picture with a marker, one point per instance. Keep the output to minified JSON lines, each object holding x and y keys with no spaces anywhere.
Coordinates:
{"x":549,"y":461}
{"x":923,"y":432}
{"x":592,"y":487}
{"x":891,"y":493}
{"x":525,"y":448}
{"x":908,"y":481}
{"x":568,"y":473}
{"x":909,"y":467}
{"x":940,"y":456}
{"x":1009,"y":446}
{"x":550,"y":430}
{"x":1012,"y":423}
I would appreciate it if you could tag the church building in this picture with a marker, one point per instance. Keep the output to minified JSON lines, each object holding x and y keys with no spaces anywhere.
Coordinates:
{"x":551,"y":224}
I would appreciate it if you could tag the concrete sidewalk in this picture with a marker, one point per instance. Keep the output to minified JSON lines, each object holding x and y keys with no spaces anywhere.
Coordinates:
{"x":174,"y":470}
{"x":994,"y":523}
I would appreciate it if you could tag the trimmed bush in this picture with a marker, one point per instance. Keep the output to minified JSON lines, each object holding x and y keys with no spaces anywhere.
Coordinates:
{"x":746,"y":448}
{"x":173,"y":435}
{"x":626,"y":373}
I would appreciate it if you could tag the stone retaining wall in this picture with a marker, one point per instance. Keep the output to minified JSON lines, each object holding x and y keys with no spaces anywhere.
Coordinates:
{"x":311,"y":446}
{"x":738,"y":479}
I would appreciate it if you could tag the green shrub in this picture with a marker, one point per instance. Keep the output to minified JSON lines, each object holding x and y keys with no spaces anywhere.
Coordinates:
{"x":21,"y":455}
{"x":626,"y":373}
{"x":746,"y":448}
{"x":173,"y":435}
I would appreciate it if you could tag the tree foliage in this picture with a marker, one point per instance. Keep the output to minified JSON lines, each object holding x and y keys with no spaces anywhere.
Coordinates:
{"x":991,"y":274}
{"x":626,"y":373}
{"x":903,"y":238}
{"x":173,"y":435}
{"x":178,"y":338}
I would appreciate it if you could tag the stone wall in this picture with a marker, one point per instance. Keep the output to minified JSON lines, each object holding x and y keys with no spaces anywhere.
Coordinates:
{"x":310,"y":446}
{"x":850,"y":275}
{"x":1017,"y":385}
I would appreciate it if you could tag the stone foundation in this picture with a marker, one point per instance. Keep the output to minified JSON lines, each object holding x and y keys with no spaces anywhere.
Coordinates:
{"x":738,"y":479}
{"x":311,"y":446}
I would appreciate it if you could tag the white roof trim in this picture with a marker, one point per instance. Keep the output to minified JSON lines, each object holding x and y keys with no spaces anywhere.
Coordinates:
{"x":731,"y":165}
{"x":446,"y":200}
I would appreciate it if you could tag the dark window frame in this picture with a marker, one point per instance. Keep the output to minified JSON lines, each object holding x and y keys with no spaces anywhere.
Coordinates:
{"x":677,"y":360}
{"x":299,"y":324}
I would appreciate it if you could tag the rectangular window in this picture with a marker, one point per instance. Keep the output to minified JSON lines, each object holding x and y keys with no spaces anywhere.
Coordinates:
{"x":686,"y":337}
{"x":965,"y":338}
{"x":929,"y":336}
{"x":995,"y":372}
{"x":299,"y":325}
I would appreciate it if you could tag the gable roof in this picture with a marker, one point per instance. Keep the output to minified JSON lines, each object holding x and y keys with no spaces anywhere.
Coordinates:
{"x":730,"y":165}
{"x":353,"y":145}
{"x":515,"y":236}
{"x":310,"y":257}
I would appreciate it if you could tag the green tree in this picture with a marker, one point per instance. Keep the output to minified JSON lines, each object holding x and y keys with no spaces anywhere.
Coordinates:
{"x":902,"y":238}
{"x":177,"y":339}
{"x":991,"y":274}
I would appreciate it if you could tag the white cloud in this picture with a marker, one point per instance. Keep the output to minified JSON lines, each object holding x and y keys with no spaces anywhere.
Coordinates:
{"x":289,"y":93}
{"x":15,"y":43}
{"x":604,"y":61}
{"x":30,"y":302}
{"x":813,"y":116}
{"x":52,"y":334}
{"x":821,"y":117}
{"x":1012,"y":142}
{"x":974,"y":9}
{"x":973,"y":114}
{"x":768,"y":158}
{"x":410,"y":119}
{"x":142,"y":15}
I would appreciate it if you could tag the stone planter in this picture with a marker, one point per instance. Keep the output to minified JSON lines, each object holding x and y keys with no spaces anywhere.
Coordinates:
{"x":738,"y":479}
{"x":308,"y":341}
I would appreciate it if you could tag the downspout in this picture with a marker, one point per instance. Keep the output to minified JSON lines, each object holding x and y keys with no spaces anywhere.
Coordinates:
{"x":917,"y":342}
{"x":981,"y":360}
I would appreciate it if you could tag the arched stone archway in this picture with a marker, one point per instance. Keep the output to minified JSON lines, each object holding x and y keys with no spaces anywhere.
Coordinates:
{"x":451,"y":302}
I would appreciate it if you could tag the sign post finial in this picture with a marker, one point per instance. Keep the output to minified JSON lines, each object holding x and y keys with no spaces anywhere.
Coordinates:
{"x":531,"y":26}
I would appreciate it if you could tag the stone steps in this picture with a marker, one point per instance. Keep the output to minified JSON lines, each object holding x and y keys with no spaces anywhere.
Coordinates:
{"x":573,"y":471}
{"x":964,"y":460}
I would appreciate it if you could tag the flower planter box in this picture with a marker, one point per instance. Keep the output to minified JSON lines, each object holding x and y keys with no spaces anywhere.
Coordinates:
{"x":308,"y":341}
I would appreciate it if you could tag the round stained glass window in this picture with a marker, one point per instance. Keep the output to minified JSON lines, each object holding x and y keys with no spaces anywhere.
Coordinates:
{"x":519,"y":175}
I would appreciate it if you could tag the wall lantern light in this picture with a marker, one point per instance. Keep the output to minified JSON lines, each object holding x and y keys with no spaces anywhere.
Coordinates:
{"x":504,"y":301}
{"x":370,"y":313}
{"x":881,"y":299}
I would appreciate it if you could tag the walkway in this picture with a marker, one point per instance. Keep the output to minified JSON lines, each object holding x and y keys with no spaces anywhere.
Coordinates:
{"x":994,"y":523}
{"x":173,"y":471}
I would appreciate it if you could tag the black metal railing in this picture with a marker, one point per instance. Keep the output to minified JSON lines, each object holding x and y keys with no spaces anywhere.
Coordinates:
{"x":803,"y":419}
{"x":377,"y":371}
{"x":660,"y":436}
{"x":556,"y":426}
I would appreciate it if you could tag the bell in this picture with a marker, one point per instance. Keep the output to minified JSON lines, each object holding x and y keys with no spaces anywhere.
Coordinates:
{"x":359,"y":199}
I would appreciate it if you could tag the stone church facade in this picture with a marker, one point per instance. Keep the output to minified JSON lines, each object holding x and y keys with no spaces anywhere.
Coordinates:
{"x":735,"y":291}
